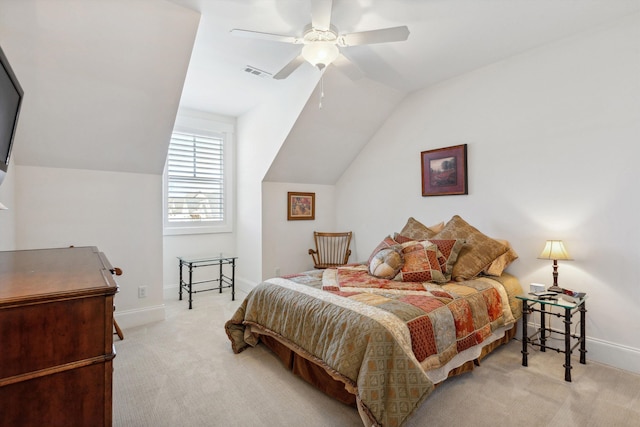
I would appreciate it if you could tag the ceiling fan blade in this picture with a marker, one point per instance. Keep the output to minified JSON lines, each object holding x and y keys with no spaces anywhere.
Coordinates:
{"x":289,"y":68}
{"x":321,"y":14}
{"x":266,"y":36}
{"x":385,"y":35}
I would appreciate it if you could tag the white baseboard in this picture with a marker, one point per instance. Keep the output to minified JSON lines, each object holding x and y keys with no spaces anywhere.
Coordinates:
{"x":605,"y":352}
{"x":139,"y":316}
{"x":612,"y":354}
{"x":601,"y":351}
{"x":170,"y":292}
{"x":245,"y":286}
{"x":241,"y":285}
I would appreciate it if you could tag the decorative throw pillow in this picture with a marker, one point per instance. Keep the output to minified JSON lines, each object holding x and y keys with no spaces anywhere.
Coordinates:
{"x":404,"y":239}
{"x":449,"y":251}
{"x":421,"y":263}
{"x":478,"y":252}
{"x":436,"y":228}
{"x":387,"y":242}
{"x":416,"y":230}
{"x":502,"y":262}
{"x":386,"y":263}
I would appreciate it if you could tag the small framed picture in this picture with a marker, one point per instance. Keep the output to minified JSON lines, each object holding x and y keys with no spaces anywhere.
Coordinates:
{"x":444,"y":171}
{"x":301,"y":206}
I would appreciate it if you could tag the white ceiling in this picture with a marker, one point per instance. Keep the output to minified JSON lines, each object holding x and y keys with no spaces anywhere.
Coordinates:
{"x":447,"y":38}
{"x":103,"y":78}
{"x":98,"y":93}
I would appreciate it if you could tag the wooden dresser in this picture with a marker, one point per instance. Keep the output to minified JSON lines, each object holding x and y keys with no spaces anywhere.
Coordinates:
{"x":56,"y":337}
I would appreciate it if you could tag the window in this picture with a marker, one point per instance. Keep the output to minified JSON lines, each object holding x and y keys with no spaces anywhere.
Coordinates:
{"x":195,"y":184}
{"x":195,"y":179}
{"x":198,"y":174}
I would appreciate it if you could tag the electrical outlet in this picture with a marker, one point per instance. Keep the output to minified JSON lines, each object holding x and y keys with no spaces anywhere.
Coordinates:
{"x":537,"y":287}
{"x":277,"y":271}
{"x":142,"y":291}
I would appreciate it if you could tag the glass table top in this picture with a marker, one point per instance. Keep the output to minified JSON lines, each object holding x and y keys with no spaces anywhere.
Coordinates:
{"x":558,"y":300}
{"x":206,"y":258}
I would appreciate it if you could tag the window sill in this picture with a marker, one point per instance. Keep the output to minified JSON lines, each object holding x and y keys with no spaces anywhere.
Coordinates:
{"x":202,"y":229}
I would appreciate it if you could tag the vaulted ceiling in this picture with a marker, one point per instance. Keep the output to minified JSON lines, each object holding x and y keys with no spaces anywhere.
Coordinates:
{"x":103,"y":78}
{"x":447,"y":38}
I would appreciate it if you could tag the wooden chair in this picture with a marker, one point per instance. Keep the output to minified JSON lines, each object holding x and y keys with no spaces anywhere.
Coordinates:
{"x":332,"y":249}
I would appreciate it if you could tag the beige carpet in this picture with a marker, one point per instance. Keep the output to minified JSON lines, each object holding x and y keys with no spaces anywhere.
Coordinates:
{"x":182,"y":372}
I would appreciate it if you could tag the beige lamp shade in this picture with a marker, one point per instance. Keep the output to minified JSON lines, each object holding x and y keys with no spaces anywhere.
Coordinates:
{"x":554,"y":249}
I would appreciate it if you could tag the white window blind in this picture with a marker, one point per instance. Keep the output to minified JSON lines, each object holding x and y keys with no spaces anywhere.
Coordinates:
{"x":195,"y":179}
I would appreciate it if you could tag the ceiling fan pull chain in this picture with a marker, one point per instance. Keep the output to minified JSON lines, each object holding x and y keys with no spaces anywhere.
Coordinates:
{"x":321,"y":89}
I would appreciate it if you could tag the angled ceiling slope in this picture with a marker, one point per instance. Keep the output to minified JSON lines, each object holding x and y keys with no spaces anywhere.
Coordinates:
{"x":447,"y":39}
{"x":102,"y":80}
{"x":324,"y":141}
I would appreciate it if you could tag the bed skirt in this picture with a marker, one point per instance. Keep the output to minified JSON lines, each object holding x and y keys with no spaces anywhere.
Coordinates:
{"x":316,"y":375}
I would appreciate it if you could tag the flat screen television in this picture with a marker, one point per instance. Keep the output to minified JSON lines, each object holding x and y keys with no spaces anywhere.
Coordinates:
{"x":11,"y":94}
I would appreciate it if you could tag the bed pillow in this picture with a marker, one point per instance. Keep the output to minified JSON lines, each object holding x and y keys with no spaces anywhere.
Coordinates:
{"x":502,"y":262}
{"x":436,"y":228}
{"x":449,"y":251}
{"x":478,"y":252}
{"x":421,"y":263}
{"x":386,"y":263}
{"x":387,"y":242}
{"x":415,"y":230}
{"x":404,"y":239}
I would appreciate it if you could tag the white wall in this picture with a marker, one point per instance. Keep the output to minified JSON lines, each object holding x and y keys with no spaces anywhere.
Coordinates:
{"x":191,"y":246}
{"x":261,"y":132}
{"x":288,"y":242}
{"x":96,"y":98}
{"x":8,"y":217}
{"x":206,"y":244}
{"x":552,"y":148}
{"x":120,"y":213}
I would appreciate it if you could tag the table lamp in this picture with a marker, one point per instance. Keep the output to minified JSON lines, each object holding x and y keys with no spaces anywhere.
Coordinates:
{"x":555,"y":250}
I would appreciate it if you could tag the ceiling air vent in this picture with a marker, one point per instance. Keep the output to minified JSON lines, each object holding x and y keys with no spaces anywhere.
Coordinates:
{"x":256,"y":71}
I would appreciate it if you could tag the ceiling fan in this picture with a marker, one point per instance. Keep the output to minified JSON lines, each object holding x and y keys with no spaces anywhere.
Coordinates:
{"x":321,"y":40}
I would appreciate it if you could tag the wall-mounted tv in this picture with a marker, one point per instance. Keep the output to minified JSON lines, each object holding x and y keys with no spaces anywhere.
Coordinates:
{"x":11,"y":94}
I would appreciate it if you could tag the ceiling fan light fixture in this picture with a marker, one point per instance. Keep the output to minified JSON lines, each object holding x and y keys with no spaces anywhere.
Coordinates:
{"x":322,"y":41}
{"x":320,"y":53}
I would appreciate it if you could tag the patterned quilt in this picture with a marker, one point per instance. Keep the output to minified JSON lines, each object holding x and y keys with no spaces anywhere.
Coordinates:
{"x":388,"y":341}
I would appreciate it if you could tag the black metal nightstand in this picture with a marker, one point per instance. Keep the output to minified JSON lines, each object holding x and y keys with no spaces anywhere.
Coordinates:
{"x":222,"y":280}
{"x":529,"y":303}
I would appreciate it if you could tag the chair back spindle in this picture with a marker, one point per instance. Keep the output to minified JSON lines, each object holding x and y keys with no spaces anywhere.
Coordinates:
{"x":332,"y":249}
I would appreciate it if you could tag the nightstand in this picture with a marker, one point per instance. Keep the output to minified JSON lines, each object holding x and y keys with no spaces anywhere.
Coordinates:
{"x":222,"y":280}
{"x":532,"y":303}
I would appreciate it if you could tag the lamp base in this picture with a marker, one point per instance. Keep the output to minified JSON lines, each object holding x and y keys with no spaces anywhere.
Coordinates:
{"x":555,"y":288}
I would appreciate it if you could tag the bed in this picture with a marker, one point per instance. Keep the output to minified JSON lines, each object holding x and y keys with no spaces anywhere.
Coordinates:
{"x":381,"y":334}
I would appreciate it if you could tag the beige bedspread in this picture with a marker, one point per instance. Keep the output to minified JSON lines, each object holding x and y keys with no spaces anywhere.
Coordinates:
{"x":366,"y":336}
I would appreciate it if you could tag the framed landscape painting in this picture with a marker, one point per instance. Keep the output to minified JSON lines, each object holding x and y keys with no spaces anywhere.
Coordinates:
{"x":444,"y":171}
{"x":301,"y":206}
